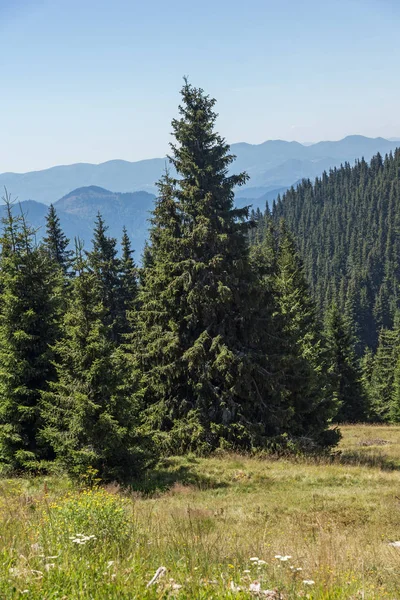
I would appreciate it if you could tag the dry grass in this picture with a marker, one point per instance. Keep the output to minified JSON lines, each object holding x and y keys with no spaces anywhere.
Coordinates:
{"x":203,"y":519}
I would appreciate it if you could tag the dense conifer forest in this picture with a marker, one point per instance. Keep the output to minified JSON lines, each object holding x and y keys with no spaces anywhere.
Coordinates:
{"x":346,"y":226}
{"x":240,"y":332}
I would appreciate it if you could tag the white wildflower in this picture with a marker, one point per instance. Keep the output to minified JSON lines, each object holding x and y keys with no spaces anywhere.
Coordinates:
{"x":157,"y":575}
{"x":255,"y":587}
{"x":308,"y":582}
{"x":234,"y":587}
{"x":394,"y":544}
{"x":254,"y":559}
{"x":36,"y":547}
{"x":81,"y":539}
{"x":262,"y":562}
{"x":247,"y":571}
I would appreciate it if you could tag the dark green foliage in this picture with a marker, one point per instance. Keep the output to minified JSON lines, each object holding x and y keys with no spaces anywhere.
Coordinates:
{"x":211,"y":344}
{"x":344,"y":368}
{"x":384,"y":379}
{"x":113,"y":286}
{"x":29,"y":309}
{"x":347,"y":227}
{"x":55,"y":242}
{"x":304,"y":358}
{"x":128,"y":284}
{"x":205,"y":333}
{"x":91,"y":413}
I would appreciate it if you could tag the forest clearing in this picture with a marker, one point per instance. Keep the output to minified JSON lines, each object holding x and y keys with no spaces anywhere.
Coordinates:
{"x":228,"y":526}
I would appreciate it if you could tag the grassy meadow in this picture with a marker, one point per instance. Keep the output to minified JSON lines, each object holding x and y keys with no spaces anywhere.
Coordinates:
{"x":223,"y":527}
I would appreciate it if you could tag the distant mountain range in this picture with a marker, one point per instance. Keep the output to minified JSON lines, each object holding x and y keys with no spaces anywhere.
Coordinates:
{"x":77,"y":211}
{"x":273,"y":166}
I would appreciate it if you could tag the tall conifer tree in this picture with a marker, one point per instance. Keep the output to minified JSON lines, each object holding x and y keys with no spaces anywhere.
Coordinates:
{"x":29,"y":307}
{"x":202,"y":338}
{"x":304,"y":360}
{"x":344,"y":369}
{"x":128,"y":284}
{"x":92,"y":410}
{"x":105,"y":265}
{"x":56,"y":242}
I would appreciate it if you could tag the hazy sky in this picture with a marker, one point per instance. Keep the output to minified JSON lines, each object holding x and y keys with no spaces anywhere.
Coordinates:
{"x":93,"y":80}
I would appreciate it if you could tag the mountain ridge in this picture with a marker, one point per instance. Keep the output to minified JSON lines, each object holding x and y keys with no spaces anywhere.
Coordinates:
{"x":267,"y":164}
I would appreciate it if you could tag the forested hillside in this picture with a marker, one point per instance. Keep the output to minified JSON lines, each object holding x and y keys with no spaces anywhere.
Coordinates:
{"x":347,"y":227}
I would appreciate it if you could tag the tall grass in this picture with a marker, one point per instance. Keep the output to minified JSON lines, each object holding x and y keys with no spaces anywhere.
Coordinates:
{"x":223,"y":527}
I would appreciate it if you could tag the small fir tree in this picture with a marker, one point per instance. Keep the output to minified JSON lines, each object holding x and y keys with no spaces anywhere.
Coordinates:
{"x":105,"y":265}
{"x":56,"y":243}
{"x":29,"y":309}
{"x":92,"y":411}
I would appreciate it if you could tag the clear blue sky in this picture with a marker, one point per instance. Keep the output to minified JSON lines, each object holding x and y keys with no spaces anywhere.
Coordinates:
{"x":92,"y":80}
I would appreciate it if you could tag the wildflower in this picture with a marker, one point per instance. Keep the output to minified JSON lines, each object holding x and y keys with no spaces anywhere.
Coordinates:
{"x":283,"y":558}
{"x":81,"y":539}
{"x":254,"y":559}
{"x":36,"y":547}
{"x":255,"y":587}
{"x":176,"y":586}
{"x":247,"y":571}
{"x":262,"y":562}
{"x":308,"y":582}
{"x":157,"y":575}
{"x":234,"y":587}
{"x":394,"y":544}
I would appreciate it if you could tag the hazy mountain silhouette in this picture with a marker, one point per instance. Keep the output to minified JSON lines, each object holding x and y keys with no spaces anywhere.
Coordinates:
{"x":273,"y":164}
{"x":78,"y":209}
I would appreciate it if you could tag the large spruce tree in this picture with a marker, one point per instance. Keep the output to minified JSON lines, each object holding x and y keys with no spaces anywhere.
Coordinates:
{"x":202,"y":334}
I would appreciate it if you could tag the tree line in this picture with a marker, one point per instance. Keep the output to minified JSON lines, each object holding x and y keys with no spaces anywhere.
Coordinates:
{"x":214,"y":342}
{"x":347,"y":228}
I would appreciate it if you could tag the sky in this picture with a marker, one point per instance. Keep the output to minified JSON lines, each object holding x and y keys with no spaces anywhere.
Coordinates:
{"x":95,"y":80}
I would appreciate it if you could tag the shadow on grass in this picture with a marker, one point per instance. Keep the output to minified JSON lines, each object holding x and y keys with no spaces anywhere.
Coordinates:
{"x":365,"y":459}
{"x":169,"y":475}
